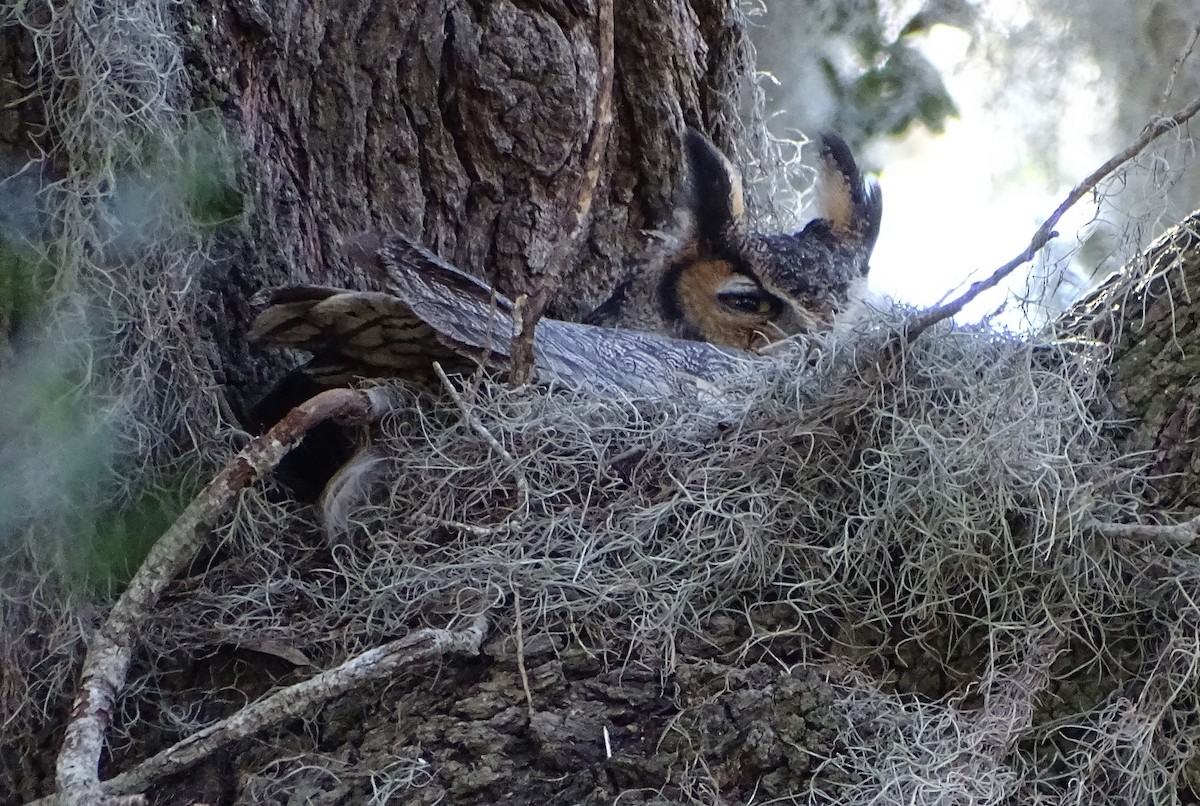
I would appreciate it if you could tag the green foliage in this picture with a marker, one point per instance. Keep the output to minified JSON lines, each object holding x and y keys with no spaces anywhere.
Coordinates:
{"x":889,"y":86}
{"x":60,"y":448}
{"x":208,"y":173}
{"x":186,"y":180}
{"x":850,"y":68}
{"x":119,"y":537}
{"x":24,"y":277}
{"x":92,"y":455}
{"x":899,"y":90}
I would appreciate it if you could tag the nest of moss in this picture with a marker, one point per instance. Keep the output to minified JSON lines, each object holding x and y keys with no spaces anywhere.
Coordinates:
{"x":949,"y":488}
{"x":933,"y":515}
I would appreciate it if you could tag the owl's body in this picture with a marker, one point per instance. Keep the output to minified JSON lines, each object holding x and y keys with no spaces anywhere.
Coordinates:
{"x":666,"y":332}
{"x":721,"y":285}
{"x":431,"y":311}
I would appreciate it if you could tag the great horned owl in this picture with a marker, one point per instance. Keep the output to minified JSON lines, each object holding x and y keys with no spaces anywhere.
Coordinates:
{"x":722,"y":285}
{"x":430,"y":311}
{"x":731,"y":287}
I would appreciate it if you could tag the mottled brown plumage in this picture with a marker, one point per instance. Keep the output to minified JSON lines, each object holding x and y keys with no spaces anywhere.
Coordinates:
{"x":740,"y":289}
{"x":721,"y":285}
{"x":721,"y":288}
{"x":431,"y":311}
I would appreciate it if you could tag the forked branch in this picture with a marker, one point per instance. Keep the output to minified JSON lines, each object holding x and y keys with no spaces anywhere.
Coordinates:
{"x":921,"y":322}
{"x":110,"y":650}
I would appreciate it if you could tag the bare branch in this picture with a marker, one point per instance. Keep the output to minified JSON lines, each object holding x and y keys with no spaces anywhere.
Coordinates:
{"x":426,"y":644}
{"x":374,"y":664}
{"x":111,"y":648}
{"x":921,"y":322}
{"x":1184,"y":533}
{"x":1185,"y":53}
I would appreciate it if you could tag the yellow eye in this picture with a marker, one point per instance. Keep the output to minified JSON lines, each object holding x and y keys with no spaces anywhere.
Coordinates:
{"x":764,"y":306}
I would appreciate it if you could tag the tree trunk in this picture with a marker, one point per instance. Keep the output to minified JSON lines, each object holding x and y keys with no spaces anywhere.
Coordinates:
{"x":1148,"y":315}
{"x":465,"y":124}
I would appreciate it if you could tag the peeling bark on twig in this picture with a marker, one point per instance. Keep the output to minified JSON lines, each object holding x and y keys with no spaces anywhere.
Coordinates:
{"x":1184,"y":533}
{"x":111,"y":649}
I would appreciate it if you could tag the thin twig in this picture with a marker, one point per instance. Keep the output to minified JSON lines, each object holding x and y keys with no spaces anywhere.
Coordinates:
{"x":1185,"y":53}
{"x":110,"y":650}
{"x":479,"y":428}
{"x":921,"y":322}
{"x":1183,"y":534}
{"x":577,"y":211}
{"x":520,"y":638}
{"x":384,"y":661}
{"x":469,"y":528}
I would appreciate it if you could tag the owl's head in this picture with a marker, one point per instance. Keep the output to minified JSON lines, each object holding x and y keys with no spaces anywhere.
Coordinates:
{"x":731,"y":287}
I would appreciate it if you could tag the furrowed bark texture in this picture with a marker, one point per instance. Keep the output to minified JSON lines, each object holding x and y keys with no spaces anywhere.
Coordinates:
{"x":464,"y":125}
{"x":465,"y":729}
{"x":1153,"y":326}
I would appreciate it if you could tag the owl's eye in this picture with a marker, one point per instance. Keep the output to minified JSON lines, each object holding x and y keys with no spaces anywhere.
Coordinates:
{"x":757,"y":302}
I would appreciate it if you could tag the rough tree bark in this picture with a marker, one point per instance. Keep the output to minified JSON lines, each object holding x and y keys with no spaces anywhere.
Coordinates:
{"x":1149,"y":315}
{"x":461,"y":124}
{"x":464,"y":123}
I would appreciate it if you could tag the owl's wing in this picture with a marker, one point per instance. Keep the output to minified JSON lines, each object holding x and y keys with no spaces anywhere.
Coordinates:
{"x":350,"y":333}
{"x":430,"y":311}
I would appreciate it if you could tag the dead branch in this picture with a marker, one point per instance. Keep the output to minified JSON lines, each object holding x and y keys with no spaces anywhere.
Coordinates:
{"x":921,"y":322}
{"x":1183,"y":534}
{"x":111,"y":648}
{"x":426,"y":644}
{"x":374,"y":664}
{"x":1185,"y":53}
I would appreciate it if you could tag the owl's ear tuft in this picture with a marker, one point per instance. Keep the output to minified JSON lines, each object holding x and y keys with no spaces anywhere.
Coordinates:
{"x":850,"y":206}
{"x":714,"y":193}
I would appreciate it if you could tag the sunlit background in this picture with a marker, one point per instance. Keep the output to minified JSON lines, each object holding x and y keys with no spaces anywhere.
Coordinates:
{"x":962,"y":203}
{"x":1043,"y":96}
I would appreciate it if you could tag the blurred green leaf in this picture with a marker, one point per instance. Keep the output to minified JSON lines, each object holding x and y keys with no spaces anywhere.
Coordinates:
{"x":119,"y":538}
{"x":209,"y":173}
